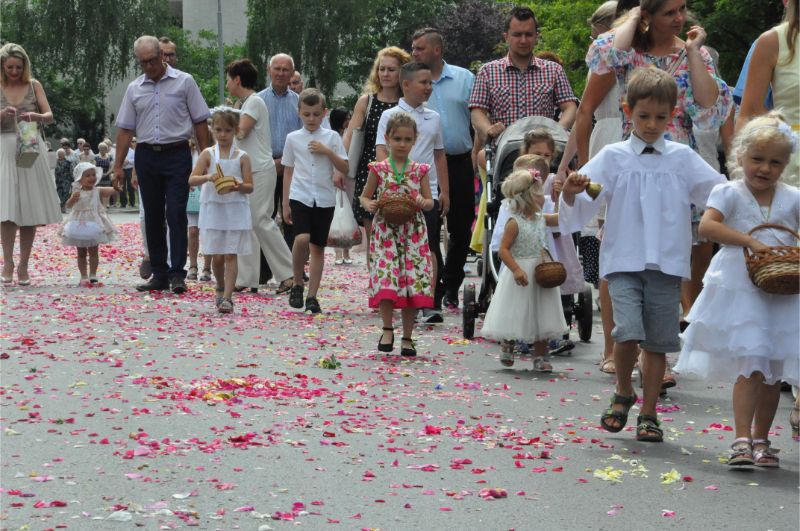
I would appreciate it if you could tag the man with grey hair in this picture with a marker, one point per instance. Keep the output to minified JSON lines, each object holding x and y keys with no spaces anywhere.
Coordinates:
{"x":296,"y":83}
{"x":282,"y":104}
{"x":162,"y":108}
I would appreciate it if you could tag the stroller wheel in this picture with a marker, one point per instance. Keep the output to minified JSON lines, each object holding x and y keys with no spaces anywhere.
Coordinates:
{"x":583,"y":315}
{"x":470,"y":311}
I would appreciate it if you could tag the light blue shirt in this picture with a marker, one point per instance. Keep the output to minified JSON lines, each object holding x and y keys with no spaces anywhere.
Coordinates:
{"x":738,"y":91}
{"x":450,"y":99}
{"x":283,"y":116}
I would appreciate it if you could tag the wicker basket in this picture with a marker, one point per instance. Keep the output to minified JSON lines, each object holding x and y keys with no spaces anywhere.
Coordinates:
{"x":776,"y":270}
{"x":549,"y":274}
{"x":397,"y":208}
{"x":222,"y":182}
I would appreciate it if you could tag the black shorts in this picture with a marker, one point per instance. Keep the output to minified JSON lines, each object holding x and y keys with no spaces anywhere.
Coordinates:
{"x":315,"y":221}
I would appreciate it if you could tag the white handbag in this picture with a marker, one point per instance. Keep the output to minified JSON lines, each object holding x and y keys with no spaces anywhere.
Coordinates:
{"x":357,"y":144}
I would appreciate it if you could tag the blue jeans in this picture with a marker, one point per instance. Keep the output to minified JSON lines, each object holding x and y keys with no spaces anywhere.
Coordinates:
{"x":164,"y":187}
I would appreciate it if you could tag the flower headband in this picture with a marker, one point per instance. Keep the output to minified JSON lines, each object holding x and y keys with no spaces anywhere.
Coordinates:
{"x":225,"y":108}
{"x":782,"y":128}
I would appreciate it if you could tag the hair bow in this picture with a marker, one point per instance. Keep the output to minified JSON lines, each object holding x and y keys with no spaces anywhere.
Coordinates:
{"x":536,"y":175}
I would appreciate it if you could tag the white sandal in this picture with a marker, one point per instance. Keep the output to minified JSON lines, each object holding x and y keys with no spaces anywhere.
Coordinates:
{"x":764,"y":455}
{"x":542,"y":364}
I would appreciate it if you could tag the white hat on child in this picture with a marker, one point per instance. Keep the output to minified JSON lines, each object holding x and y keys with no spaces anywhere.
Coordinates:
{"x":81,"y":167}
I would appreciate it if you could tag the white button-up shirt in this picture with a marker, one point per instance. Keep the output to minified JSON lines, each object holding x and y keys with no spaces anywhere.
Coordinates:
{"x":648,"y":221}
{"x":312,"y":175}
{"x":429,"y":137}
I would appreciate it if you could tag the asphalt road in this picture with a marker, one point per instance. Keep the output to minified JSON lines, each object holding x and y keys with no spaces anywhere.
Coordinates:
{"x":122,"y":410}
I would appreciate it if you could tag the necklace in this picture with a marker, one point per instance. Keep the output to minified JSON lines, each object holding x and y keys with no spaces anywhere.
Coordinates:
{"x":398,"y":177}
{"x":764,"y":218}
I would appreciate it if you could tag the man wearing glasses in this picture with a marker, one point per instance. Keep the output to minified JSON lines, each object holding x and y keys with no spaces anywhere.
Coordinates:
{"x":162,"y":108}
{"x":520,"y":85}
{"x":168,"y":51}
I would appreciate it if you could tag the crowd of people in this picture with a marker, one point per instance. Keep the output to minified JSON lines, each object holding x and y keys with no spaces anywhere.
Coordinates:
{"x":257,"y":182}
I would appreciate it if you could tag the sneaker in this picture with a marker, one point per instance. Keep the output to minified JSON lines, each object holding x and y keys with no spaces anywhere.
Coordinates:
{"x":312,"y":305}
{"x":561,"y":348}
{"x":145,"y":271}
{"x":450,"y":300}
{"x":296,"y":297}
{"x":431,"y":316}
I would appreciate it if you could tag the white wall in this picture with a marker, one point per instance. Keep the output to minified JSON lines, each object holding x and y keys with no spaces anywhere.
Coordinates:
{"x":202,"y":14}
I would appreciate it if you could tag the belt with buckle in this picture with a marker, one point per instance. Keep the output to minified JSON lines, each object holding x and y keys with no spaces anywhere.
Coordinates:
{"x":165,"y":147}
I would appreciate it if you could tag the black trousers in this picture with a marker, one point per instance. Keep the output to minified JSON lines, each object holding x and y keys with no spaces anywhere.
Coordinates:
{"x":128,"y":194}
{"x":459,"y":219}
{"x":164,"y":185}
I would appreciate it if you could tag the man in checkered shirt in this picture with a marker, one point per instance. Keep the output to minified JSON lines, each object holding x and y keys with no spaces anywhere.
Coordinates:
{"x":520,"y":84}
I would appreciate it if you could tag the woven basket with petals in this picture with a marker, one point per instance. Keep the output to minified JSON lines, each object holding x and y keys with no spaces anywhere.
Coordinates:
{"x":396,"y":207}
{"x":223,"y":182}
{"x":777,"y":269}
{"x":549,"y":274}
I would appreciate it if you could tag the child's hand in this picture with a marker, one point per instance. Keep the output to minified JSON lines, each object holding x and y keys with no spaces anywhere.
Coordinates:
{"x":287,"y":214}
{"x":558,"y":185}
{"x":76,"y":195}
{"x":317,"y":147}
{"x":756,"y":245}
{"x":420,"y":201}
{"x":520,"y":277}
{"x":575,"y":184}
{"x":370,"y":205}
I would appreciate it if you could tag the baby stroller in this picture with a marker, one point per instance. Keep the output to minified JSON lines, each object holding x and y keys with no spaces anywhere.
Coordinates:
{"x":499,"y":163}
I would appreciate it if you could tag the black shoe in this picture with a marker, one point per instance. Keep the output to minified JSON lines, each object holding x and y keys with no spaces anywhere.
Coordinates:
{"x":296,"y":297}
{"x":386,"y":347}
{"x":450,"y":300}
{"x":153,"y":285}
{"x":408,"y":352}
{"x":312,"y":305}
{"x":431,"y":316}
{"x":145,"y":271}
{"x":177,"y":285}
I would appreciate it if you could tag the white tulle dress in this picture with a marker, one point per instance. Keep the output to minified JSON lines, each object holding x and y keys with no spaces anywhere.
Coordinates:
{"x":736,"y":328}
{"x":525,"y":313}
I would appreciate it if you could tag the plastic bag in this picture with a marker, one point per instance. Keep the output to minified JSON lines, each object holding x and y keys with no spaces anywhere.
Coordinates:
{"x":344,"y":232}
{"x":193,"y":203}
{"x":566,"y":253}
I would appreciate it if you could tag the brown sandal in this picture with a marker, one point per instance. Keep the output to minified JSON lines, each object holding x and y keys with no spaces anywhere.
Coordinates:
{"x":604,"y":366}
{"x":284,"y":286}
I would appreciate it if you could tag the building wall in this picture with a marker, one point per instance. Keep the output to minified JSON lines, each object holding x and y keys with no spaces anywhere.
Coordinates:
{"x":202,"y":14}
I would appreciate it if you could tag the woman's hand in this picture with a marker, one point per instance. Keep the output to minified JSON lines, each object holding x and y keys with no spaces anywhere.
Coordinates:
{"x":30,"y":117}
{"x":520,"y":277}
{"x":695,"y":38}
{"x":9,"y":111}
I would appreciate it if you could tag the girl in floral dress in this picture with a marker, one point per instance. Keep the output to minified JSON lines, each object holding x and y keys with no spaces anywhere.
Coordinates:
{"x":400,"y":258}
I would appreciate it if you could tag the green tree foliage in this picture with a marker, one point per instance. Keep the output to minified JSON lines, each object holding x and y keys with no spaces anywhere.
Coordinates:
{"x":199,"y":56}
{"x":333,"y":40}
{"x":732,"y":25}
{"x":77,"y":48}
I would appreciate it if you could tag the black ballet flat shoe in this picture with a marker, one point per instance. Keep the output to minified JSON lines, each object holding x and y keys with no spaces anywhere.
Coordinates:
{"x":408,"y":352}
{"x":386,"y":347}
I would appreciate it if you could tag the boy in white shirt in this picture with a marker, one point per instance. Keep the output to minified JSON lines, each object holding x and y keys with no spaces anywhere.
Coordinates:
{"x":309,"y":197}
{"x":415,"y":80}
{"x":649,"y":184}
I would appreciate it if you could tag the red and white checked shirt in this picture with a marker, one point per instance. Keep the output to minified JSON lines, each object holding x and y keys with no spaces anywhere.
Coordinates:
{"x":510,"y":94}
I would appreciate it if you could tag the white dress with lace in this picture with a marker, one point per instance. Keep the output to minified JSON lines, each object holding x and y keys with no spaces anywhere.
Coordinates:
{"x":735,"y":328}
{"x":525,"y":313}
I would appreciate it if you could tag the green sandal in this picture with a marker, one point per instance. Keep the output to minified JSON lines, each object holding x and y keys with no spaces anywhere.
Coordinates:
{"x":620,"y":416}
{"x":648,"y":429}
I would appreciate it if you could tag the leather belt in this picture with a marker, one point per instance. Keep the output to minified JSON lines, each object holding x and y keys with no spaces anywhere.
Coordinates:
{"x":164,"y":147}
